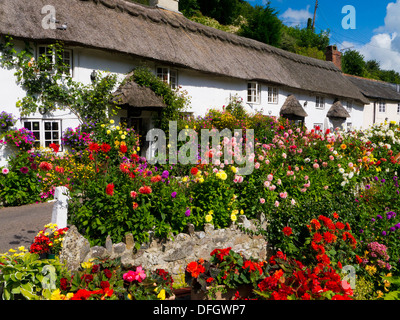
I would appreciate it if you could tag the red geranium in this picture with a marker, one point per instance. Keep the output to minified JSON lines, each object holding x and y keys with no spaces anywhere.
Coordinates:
{"x":145,"y":190}
{"x":45,"y":166}
{"x":123,"y":148}
{"x":55,"y":147}
{"x":221,"y":253}
{"x":287,"y":231}
{"x":110,"y":189}
{"x":105,"y":147}
{"x":194,"y":171}
{"x":94,"y":147}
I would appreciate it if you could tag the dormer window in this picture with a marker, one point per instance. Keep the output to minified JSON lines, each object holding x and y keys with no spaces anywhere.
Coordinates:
{"x":320,"y":102}
{"x":168,"y":75}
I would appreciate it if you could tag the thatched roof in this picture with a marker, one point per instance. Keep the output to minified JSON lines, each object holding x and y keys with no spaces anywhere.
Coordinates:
{"x":337,"y":111}
{"x":168,"y":37}
{"x":375,"y":89}
{"x":132,"y":95}
{"x":293,"y":107}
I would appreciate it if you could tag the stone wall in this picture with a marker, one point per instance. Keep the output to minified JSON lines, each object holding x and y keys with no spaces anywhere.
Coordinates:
{"x":171,"y":255}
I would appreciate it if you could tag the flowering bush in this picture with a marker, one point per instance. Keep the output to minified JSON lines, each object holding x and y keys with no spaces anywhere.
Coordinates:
{"x":225,"y":267}
{"x":21,"y":138}
{"x":289,"y":279}
{"x":6,"y":120}
{"x":48,"y":240}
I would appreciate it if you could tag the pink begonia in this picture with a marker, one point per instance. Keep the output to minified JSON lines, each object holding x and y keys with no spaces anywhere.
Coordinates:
{"x":140,"y":274}
{"x":5,"y":171}
{"x":129,"y":276}
{"x":262,"y":200}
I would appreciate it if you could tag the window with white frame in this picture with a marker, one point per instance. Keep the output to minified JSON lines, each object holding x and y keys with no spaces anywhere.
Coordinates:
{"x":272,"y":95}
{"x":382,"y":107}
{"x":320,"y":102}
{"x":349,"y":125}
{"x":398,"y":108}
{"x":253,"y":92}
{"x":46,"y":132}
{"x":66,"y":56}
{"x":169,"y":76}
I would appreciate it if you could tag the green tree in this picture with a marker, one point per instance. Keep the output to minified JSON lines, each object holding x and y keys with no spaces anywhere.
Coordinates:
{"x":263,"y":25}
{"x":353,"y":63}
{"x":224,"y":11}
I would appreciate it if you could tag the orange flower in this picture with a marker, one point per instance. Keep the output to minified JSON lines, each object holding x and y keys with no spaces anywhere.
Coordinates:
{"x":195,"y":269}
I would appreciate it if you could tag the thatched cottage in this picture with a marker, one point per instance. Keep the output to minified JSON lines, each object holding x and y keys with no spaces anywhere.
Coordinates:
{"x":211,"y":65}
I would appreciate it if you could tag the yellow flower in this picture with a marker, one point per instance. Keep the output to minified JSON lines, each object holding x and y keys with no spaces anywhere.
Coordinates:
{"x":138,"y":148}
{"x":56,"y":295}
{"x":123,"y":137}
{"x":184,"y":179}
{"x":241,"y":211}
{"x":161,"y":295}
{"x":116,"y":142}
{"x":103,"y":125}
{"x":21,"y":248}
{"x":12,"y":250}
{"x":117,"y":127}
{"x":221,"y":175}
{"x":208,"y":218}
{"x":112,"y":121}
{"x":87,"y":265}
{"x":234,"y":169}
{"x":211,"y":212}
{"x":201,"y":179}
{"x":328,"y":146}
{"x":108,"y":131}
{"x":235,"y":212}
{"x":380,"y":294}
{"x":169,"y":146}
{"x":186,"y":127}
{"x":233,"y":217}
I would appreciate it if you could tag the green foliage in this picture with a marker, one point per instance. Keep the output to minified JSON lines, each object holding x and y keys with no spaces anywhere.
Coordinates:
{"x":27,"y":277}
{"x":353,"y":63}
{"x":263,"y":25}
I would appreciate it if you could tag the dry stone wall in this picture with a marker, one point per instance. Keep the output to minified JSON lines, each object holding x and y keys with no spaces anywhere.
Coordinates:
{"x":171,"y":255}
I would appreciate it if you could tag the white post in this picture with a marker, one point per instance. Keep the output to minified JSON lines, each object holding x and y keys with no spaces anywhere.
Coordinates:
{"x":60,"y":208}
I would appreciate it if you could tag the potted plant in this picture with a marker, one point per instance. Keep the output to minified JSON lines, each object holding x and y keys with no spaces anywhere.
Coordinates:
{"x":225,"y":275}
{"x":6,"y":121}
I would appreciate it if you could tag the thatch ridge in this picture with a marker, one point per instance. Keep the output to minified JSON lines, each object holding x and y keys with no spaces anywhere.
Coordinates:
{"x":169,"y":38}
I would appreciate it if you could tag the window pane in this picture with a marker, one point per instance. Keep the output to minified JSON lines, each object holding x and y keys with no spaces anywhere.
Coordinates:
{"x":55,"y":135}
{"x":37,"y":135}
{"x":27,"y":125}
{"x":47,"y":143}
{"x":47,"y":135}
{"x":36,"y":125}
{"x":47,"y":126}
{"x":55,"y":126}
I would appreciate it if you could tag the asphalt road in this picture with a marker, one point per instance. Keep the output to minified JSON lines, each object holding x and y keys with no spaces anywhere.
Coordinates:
{"x":19,"y":225}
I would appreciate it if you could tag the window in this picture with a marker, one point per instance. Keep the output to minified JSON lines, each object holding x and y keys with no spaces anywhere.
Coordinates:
{"x":253,"y":92}
{"x":320,"y":102}
{"x":382,"y":107}
{"x":349,"y":125}
{"x":45,"y":131}
{"x":398,"y":108}
{"x":66,"y":56}
{"x":272,"y":95}
{"x":169,"y":76}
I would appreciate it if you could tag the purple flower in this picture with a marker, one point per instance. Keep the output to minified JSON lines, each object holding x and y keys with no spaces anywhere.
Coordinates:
{"x":384,"y":233}
{"x":379,"y":216}
{"x":367,"y":187}
{"x":392,"y":229}
{"x":187,"y":213}
{"x":397,"y":226}
{"x":165,"y":174}
{"x":173,"y":194}
{"x":373,"y":220}
{"x":383,"y":180}
{"x":24,"y":170}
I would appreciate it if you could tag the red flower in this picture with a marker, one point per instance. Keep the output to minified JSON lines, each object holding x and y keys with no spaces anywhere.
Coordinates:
{"x":45,"y":166}
{"x":287,"y":231}
{"x":107,"y":273}
{"x":195,"y":269}
{"x":110,"y":189}
{"x":105,"y":147}
{"x":94,"y":147}
{"x":123,"y":148}
{"x":104,"y":284}
{"x":194,"y":171}
{"x":145,"y":190}
{"x":221,"y":253}
{"x":329,"y":237}
{"x":135,"y":205}
{"x":55,"y":147}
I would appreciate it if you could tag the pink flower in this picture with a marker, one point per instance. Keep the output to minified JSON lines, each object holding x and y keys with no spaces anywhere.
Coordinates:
{"x":272,"y":188}
{"x":270,"y":177}
{"x":262,"y":200}
{"x":129,"y":276}
{"x":276,"y":204}
{"x":293,"y":202}
{"x":315,"y":165}
{"x":267,"y":184}
{"x":283,"y":195}
{"x":133,"y":194}
{"x":140,"y":274}
{"x":5,"y":171}
{"x":257,"y":165}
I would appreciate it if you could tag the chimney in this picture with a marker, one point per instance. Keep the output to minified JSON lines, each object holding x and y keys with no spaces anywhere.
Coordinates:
{"x":334,"y":55}
{"x":172,"y":5}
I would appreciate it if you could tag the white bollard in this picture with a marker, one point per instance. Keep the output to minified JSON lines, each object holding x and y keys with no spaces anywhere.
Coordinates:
{"x":60,"y":208}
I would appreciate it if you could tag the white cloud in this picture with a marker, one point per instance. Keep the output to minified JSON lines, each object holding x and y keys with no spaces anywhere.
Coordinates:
{"x":293,"y":17}
{"x":384,"y":46}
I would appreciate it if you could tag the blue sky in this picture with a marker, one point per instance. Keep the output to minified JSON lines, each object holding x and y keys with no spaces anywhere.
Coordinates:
{"x":377,"y":30}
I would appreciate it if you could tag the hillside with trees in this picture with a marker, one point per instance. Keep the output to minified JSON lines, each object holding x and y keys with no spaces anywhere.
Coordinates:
{"x":262,"y":23}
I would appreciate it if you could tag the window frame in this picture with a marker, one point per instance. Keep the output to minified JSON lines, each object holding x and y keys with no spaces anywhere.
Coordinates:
{"x":168,"y":75}
{"x":42,"y":140}
{"x":53,"y":57}
{"x":381,"y":106}
{"x":398,"y":109}
{"x":319,"y":102}
{"x":253,"y":94}
{"x":273,"y":95}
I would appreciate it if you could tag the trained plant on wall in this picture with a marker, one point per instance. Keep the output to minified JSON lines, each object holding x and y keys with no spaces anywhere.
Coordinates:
{"x":49,"y":85}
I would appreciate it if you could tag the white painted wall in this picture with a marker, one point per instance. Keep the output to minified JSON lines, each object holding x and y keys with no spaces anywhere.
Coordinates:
{"x":206,"y":90}
{"x":390,"y":113}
